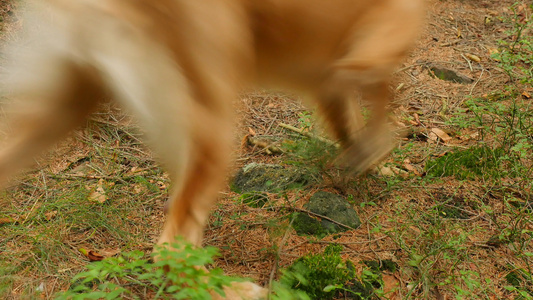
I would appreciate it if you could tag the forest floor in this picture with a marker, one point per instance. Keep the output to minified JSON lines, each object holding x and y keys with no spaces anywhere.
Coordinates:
{"x":451,"y":206}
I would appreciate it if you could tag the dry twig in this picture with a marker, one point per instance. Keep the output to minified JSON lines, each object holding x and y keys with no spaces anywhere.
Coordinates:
{"x":309,"y":135}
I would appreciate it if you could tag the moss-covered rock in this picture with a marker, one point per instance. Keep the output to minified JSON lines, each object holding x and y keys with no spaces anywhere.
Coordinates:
{"x":255,"y":199}
{"x":256,"y":177}
{"x":381,"y":265}
{"x":329,"y":205}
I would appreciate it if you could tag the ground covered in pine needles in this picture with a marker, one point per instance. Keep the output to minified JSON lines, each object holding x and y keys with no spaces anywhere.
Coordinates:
{"x":451,"y":206}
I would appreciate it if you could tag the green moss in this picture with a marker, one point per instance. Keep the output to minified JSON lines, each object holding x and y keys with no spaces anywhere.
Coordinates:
{"x":381,"y":265}
{"x":306,"y":225}
{"x":319,"y":272}
{"x":311,"y":156}
{"x":267,"y":178}
{"x":254,"y":199}
{"x":521,"y":280}
{"x":468,"y":164}
{"x":452,"y":212}
{"x":328,"y":205}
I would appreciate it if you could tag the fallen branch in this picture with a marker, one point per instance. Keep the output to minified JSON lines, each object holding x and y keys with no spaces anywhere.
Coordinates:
{"x":309,"y":135}
{"x":268,"y":147}
{"x":315,"y":215}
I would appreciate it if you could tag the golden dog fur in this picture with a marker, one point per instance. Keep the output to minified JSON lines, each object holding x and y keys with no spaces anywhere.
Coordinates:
{"x":177,"y":64}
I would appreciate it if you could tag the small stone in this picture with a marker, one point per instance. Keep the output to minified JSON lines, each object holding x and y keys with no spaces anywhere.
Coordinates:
{"x":328,"y":205}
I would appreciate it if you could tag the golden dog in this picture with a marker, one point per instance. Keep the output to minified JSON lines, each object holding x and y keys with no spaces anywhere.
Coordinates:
{"x":178,"y":64}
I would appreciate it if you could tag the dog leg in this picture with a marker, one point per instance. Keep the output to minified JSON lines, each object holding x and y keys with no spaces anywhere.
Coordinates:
{"x":190,"y":206}
{"x":363,"y":144}
{"x":378,"y":45}
{"x":373,"y":142}
{"x":342,"y":114}
{"x":50,"y":102}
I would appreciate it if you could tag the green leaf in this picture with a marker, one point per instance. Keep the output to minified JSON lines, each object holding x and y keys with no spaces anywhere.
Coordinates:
{"x":331,"y":287}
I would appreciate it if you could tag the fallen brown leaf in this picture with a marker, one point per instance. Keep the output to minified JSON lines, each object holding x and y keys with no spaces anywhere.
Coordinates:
{"x":432,"y":137}
{"x":99,"y":194}
{"x":50,"y":215}
{"x":441,"y":154}
{"x":8,"y":220}
{"x":109,"y":252}
{"x":389,"y":171}
{"x":390,"y":286}
{"x":493,"y":51}
{"x":417,"y":118}
{"x":384,"y":171}
{"x":443,"y":136}
{"x":137,"y":188}
{"x":409,"y":167}
{"x":91,"y":255}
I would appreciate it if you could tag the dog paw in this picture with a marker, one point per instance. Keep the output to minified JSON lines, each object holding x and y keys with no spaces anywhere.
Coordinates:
{"x":366,"y":151}
{"x":243,"y":291}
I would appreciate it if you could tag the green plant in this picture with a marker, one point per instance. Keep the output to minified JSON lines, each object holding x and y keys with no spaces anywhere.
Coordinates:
{"x":312,"y":156}
{"x":175,"y":275}
{"x":518,"y":280}
{"x":516,"y":55}
{"x":505,"y":125}
{"x":324,"y":276}
{"x":306,"y":120}
{"x":282,"y":291}
{"x":309,"y":152}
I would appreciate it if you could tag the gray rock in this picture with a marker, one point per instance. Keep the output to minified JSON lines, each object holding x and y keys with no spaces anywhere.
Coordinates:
{"x":329,"y":205}
{"x":449,"y":74}
{"x":256,"y":177}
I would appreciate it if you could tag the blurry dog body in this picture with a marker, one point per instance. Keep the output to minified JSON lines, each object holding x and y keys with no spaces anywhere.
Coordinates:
{"x":178,"y":64}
